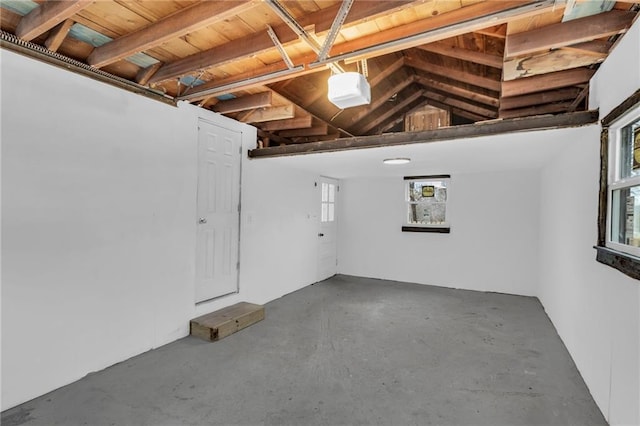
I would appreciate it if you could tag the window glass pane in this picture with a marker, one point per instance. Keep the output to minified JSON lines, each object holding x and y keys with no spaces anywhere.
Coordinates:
{"x":325,"y":192}
{"x":331,"y":212}
{"x":427,"y":202}
{"x":625,"y":216}
{"x":332,"y":191}
{"x":325,"y":212}
{"x":630,"y":150}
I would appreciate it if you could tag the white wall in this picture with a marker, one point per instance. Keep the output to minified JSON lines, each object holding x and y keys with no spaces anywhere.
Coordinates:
{"x":494,"y":221}
{"x":98,"y":226}
{"x":595,"y":308}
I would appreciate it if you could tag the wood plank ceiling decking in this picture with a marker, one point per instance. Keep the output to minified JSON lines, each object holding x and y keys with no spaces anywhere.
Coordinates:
{"x":478,"y":59}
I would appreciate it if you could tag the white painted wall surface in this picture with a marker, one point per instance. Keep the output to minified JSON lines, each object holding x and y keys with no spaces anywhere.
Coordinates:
{"x":493,"y":244}
{"x":595,"y":309}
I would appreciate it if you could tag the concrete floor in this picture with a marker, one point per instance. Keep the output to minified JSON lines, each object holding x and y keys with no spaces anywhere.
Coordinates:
{"x":345,"y":351}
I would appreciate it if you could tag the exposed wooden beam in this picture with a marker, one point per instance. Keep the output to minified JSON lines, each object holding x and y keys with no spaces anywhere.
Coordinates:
{"x":556,"y":60}
{"x":536,"y":110}
{"x":579,"y":99}
{"x":307,"y":139}
{"x":446,"y":49}
{"x":268,"y":114}
{"x":380,"y":99}
{"x":273,"y":137}
{"x":178,"y":24}
{"x":390,"y":69}
{"x":599,"y":48}
{"x":466,"y":114}
{"x":498,"y":31}
{"x":390,"y":112}
{"x":258,"y":43}
{"x":541,"y":83}
{"x":447,"y":133}
{"x":145,"y":73}
{"x":457,"y":91}
{"x":317,"y":130}
{"x":457,"y":103}
{"x":415,"y":62}
{"x":539,"y":98}
{"x":47,"y":16}
{"x":292,"y":123}
{"x":57,"y":35}
{"x":567,"y":33}
{"x":244,"y":103}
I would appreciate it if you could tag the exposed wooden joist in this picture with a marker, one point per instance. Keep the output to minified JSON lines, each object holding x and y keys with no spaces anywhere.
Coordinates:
{"x":495,"y":127}
{"x":145,"y":73}
{"x":379,"y":99}
{"x":541,"y":83}
{"x":292,"y":123}
{"x":458,"y":103}
{"x":536,"y":110}
{"x":268,"y":114}
{"x":47,"y":16}
{"x":556,"y":60}
{"x":579,"y":99}
{"x":390,"y":69}
{"x":57,"y":35}
{"x":457,"y":91}
{"x":597,"y":48}
{"x":567,"y":33}
{"x":258,"y":43}
{"x":307,"y":139}
{"x":183,"y":22}
{"x":317,"y":130}
{"x":446,"y":49}
{"x":539,"y":98}
{"x":244,"y":103}
{"x":466,"y":114}
{"x":466,"y":77}
{"x":271,"y":137}
{"x":390,"y":112}
{"x":498,"y":31}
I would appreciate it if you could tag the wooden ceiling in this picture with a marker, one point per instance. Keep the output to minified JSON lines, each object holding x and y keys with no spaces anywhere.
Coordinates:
{"x":258,"y":61}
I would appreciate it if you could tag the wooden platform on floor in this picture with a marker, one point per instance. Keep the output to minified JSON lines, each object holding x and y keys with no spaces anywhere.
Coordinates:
{"x":226,"y":321}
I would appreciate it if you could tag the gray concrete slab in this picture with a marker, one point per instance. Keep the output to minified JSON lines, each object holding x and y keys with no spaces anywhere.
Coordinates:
{"x":345,"y":351}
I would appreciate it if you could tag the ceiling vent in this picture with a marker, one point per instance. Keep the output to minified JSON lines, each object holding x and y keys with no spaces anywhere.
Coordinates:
{"x":349,"y":89}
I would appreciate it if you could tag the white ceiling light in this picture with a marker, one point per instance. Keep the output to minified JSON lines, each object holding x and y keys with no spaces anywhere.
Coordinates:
{"x":349,"y":89}
{"x":402,"y":160}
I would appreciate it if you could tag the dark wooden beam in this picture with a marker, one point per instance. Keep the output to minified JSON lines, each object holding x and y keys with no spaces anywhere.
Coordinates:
{"x":460,"y":104}
{"x":541,"y":83}
{"x":317,"y":130}
{"x":457,"y":91}
{"x":568,"y":33}
{"x":145,"y":73}
{"x":379,"y":99}
{"x":48,"y":15}
{"x":292,"y":123}
{"x":390,"y":69}
{"x":402,"y":104}
{"x":449,"y":133}
{"x":536,"y":110}
{"x":244,"y":103}
{"x":539,"y":98}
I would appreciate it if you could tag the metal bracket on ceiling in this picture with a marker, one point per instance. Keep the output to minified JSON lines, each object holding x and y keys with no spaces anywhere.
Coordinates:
{"x":276,"y":42}
{"x":335,"y":29}
{"x":288,"y":19}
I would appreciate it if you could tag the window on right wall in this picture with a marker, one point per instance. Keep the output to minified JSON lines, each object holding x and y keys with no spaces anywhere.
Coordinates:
{"x":619,"y":212}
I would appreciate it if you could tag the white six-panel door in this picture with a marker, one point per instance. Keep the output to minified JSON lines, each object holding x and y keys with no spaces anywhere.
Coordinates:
{"x":328,"y":233}
{"x":218,"y":208}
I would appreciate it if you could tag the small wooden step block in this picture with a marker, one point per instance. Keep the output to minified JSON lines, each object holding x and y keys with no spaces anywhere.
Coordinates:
{"x":226,"y":321}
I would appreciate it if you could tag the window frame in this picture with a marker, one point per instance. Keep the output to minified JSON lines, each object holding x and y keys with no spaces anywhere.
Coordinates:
{"x":622,"y":257}
{"x":443,"y":228}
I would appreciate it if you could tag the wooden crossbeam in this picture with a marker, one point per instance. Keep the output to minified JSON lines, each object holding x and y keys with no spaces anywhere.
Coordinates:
{"x":268,"y":114}
{"x":58,"y":34}
{"x":446,"y":49}
{"x":457,"y":91}
{"x":176,"y":25}
{"x":317,"y":130}
{"x":567,"y":33}
{"x":390,"y":112}
{"x":498,"y":31}
{"x":389,"y":70}
{"x":47,"y":16}
{"x":244,"y":103}
{"x":145,"y":73}
{"x":539,"y":98}
{"x":556,"y":60}
{"x":536,"y":110}
{"x":541,"y":83}
{"x":599,"y":48}
{"x":258,"y":43}
{"x":292,"y":123}
{"x":466,"y":77}
{"x":496,"y":127}
{"x":460,"y":104}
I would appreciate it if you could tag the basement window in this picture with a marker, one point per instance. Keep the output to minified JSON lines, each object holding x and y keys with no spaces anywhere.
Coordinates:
{"x":619,"y":209}
{"x":426,"y":203}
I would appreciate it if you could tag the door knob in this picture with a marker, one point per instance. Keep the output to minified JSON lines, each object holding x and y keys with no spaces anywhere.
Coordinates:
{"x":202,"y":220}
{"x":321,"y":235}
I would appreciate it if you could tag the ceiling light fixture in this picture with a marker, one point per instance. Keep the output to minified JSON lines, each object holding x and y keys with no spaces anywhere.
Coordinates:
{"x":400,"y":160}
